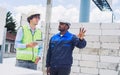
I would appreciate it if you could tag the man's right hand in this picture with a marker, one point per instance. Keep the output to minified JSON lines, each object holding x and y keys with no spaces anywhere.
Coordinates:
{"x":31,"y":45}
{"x":48,"y":70}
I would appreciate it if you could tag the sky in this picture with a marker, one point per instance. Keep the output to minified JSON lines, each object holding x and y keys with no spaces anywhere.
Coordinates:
{"x":66,"y":8}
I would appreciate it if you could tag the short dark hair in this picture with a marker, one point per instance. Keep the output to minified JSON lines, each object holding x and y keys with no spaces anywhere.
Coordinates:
{"x":31,"y":17}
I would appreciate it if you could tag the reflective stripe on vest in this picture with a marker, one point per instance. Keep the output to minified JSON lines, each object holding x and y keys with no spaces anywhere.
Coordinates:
{"x":25,"y":52}
{"x":28,"y":53}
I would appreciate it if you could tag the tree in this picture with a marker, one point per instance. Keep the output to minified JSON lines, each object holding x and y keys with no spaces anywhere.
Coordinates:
{"x":10,"y":23}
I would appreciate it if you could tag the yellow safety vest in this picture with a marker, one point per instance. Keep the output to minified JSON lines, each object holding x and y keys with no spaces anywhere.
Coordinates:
{"x":29,"y":54}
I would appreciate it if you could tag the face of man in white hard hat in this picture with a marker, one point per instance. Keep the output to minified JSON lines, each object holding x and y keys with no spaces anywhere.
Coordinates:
{"x":34,"y":19}
{"x":63,"y":27}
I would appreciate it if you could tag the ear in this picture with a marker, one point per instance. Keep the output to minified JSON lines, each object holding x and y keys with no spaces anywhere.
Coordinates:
{"x":67,"y":27}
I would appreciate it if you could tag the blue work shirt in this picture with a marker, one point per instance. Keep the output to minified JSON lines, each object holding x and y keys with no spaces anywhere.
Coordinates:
{"x":18,"y":40}
{"x":61,"y":48}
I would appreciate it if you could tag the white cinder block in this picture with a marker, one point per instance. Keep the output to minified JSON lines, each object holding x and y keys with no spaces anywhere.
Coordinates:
{"x":90,"y":57}
{"x":110,"y":45}
{"x":75,"y":26}
{"x":89,"y":70}
{"x":77,"y":56}
{"x":93,"y":26}
{"x":109,"y":66}
{"x":92,"y":51}
{"x":94,"y":38}
{"x":75,"y":69}
{"x":119,"y":53}
{"x":74,"y":31}
{"x":93,"y":32}
{"x":119,"y":67}
{"x":76,"y":50}
{"x":112,"y":39}
{"x":75,"y":63}
{"x":86,"y":74}
{"x":93,"y":45}
{"x":108,"y":72}
{"x":92,"y":64}
{"x":74,"y":73}
{"x":110,"y":26}
{"x":109,"y":59}
{"x":110,"y":32}
{"x":108,"y":52}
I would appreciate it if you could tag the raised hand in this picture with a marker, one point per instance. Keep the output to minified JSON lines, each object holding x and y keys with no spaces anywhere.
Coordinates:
{"x":81,"y":33}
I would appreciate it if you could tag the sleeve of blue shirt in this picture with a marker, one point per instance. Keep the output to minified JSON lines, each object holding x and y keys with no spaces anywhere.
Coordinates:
{"x":79,"y":43}
{"x":19,"y":44}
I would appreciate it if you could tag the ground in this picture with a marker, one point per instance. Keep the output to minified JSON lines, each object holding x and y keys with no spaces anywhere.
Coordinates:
{"x":8,"y":68}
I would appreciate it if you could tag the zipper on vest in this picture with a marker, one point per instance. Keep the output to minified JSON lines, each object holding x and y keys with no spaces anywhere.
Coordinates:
{"x":32,"y":41}
{"x":32,"y":48}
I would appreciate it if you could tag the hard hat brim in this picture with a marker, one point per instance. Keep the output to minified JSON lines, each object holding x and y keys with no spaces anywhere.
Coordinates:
{"x":68,"y":24}
{"x":37,"y":14}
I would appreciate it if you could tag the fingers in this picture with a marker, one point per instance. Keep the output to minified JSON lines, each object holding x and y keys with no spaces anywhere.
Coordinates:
{"x":37,"y":60}
{"x":82,"y":30}
{"x":32,"y":44}
{"x":48,"y":71}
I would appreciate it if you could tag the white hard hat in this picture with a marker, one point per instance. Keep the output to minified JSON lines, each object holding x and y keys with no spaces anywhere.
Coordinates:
{"x":32,"y":13}
{"x":65,"y":21}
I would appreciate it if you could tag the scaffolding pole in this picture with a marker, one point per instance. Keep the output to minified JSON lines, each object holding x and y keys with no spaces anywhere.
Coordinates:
{"x":47,"y":27}
{"x":3,"y":45}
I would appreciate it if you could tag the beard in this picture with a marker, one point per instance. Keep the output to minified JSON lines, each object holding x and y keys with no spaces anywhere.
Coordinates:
{"x":61,"y":30}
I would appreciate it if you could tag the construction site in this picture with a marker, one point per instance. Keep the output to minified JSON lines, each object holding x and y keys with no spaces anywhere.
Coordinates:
{"x":101,"y":56}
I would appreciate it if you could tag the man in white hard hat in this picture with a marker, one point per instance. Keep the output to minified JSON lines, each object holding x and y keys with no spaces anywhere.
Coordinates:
{"x":59,"y":55}
{"x":28,"y":52}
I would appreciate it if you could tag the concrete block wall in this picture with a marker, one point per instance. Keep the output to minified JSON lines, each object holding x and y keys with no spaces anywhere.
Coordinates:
{"x":102,"y":53}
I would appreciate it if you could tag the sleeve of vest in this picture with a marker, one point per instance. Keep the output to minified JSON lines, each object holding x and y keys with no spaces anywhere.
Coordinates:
{"x":40,"y":49}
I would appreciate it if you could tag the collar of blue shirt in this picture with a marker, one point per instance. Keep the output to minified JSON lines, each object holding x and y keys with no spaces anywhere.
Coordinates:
{"x":66,"y":34}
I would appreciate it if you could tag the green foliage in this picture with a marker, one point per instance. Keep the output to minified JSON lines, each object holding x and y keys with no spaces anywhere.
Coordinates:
{"x":10,"y":23}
